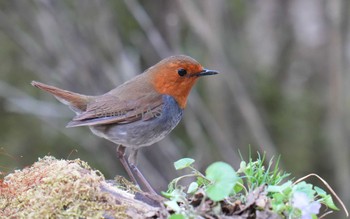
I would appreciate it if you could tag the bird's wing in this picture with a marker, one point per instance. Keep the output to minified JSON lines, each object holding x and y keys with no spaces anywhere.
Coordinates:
{"x":122,"y":105}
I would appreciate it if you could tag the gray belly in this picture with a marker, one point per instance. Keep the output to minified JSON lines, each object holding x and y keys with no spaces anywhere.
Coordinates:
{"x":143,"y":133}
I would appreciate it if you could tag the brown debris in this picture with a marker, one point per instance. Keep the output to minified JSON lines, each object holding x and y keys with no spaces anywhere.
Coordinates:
{"x":256,"y":206}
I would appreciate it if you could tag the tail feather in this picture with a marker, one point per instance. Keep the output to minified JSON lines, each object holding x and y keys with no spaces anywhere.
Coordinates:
{"x":77,"y":102}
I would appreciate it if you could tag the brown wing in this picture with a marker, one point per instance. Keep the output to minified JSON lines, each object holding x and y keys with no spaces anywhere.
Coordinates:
{"x":124,"y":104}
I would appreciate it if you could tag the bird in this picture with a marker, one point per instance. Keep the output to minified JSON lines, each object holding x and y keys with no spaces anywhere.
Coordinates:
{"x":139,"y":112}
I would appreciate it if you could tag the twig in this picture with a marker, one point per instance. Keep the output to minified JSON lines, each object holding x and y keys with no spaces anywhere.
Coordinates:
{"x":329,"y":188}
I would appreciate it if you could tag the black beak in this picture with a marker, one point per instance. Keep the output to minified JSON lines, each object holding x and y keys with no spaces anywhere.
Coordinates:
{"x":206,"y":72}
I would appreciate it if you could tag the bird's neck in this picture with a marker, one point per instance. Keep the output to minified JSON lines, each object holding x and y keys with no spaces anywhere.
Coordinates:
{"x":178,"y":90}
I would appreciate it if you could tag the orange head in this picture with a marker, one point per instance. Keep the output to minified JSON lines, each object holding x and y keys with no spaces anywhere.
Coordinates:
{"x":176,"y":75}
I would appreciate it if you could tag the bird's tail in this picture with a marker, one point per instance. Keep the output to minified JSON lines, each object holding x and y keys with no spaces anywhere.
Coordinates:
{"x":77,"y":102}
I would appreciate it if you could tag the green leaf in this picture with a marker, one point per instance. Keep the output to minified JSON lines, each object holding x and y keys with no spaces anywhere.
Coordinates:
{"x":242,"y":166}
{"x":220,"y":172}
{"x":223,"y":178}
{"x":183,"y":163}
{"x":173,"y":205}
{"x":201,"y":181}
{"x":238,"y":186}
{"x":280,"y":188}
{"x":329,"y":202}
{"x":278,"y":202}
{"x":219,"y":191}
{"x":192,"y":187}
{"x":325,"y":198}
{"x":177,"y":216}
{"x":320,"y":191}
{"x":166,"y":194}
{"x":305,"y":188}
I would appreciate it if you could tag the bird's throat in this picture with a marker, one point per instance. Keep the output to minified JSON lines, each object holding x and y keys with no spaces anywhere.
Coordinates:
{"x":178,"y":90}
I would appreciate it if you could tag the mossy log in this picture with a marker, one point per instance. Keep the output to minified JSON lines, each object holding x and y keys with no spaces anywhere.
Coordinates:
{"x":52,"y":188}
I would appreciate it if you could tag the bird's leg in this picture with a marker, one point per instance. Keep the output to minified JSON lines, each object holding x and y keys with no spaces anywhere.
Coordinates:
{"x":125,"y":163}
{"x":138,"y":174}
{"x":132,"y":170}
{"x":142,"y":179}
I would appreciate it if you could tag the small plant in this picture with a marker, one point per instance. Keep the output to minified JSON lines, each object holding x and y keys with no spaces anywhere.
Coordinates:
{"x":252,"y":191}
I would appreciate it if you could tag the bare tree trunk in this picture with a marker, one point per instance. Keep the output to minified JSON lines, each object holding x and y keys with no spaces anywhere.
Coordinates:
{"x":336,"y":128}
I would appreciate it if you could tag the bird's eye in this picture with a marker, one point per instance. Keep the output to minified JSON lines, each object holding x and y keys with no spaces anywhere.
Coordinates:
{"x":182,"y":72}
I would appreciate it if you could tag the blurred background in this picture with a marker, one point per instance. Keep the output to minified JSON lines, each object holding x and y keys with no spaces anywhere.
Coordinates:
{"x":283,"y":83}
